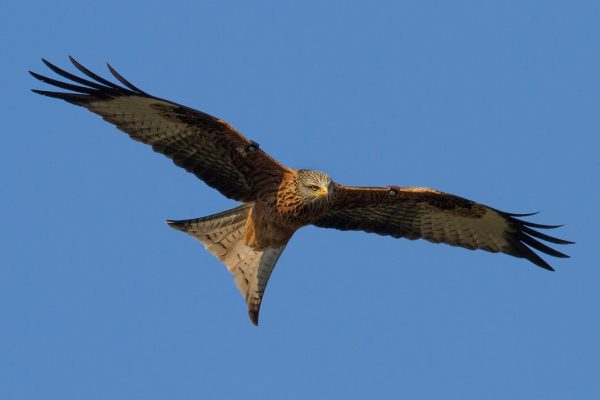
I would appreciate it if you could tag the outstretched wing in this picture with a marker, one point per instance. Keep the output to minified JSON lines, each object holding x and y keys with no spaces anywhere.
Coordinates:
{"x":438,"y":217}
{"x":204,"y":145}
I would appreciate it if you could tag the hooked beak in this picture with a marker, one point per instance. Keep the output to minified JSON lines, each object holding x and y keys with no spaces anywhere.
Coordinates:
{"x":324,"y":191}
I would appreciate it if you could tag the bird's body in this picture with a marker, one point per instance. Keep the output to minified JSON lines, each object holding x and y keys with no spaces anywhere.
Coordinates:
{"x":277,"y":200}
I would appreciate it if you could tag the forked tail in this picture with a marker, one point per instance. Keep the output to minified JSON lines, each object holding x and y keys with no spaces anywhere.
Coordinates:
{"x":224,"y":235}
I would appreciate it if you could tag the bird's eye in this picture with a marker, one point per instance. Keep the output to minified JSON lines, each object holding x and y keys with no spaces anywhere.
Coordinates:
{"x":314,"y":188}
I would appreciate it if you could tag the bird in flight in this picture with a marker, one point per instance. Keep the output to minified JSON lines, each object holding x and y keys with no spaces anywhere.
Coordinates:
{"x":277,"y":200}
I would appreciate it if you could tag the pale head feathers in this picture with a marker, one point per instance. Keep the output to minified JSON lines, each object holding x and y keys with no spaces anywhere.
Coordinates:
{"x":314,"y":185}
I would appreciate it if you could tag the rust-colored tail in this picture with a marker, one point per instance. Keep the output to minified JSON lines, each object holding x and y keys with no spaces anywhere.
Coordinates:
{"x":223,"y":235}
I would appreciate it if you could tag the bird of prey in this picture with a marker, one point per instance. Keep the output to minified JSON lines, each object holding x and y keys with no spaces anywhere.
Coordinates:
{"x":277,"y":200}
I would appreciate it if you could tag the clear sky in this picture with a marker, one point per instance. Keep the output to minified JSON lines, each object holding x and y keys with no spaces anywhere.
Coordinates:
{"x":495,"y":101}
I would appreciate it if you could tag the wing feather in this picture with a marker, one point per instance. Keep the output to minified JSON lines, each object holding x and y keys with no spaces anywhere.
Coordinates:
{"x":123,"y":80}
{"x":202,"y":144}
{"x":421,"y":213}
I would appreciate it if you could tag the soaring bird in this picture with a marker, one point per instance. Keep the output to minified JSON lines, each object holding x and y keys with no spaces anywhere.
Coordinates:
{"x":277,"y":200}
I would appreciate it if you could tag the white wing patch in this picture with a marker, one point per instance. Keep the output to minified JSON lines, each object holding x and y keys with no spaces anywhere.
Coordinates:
{"x":487,"y":232}
{"x":141,"y":120}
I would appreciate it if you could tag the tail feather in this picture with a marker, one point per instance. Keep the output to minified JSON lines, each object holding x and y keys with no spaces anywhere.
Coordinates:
{"x":223,"y":235}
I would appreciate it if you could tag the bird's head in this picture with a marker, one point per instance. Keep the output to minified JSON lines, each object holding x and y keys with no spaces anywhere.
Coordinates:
{"x":315,"y":186}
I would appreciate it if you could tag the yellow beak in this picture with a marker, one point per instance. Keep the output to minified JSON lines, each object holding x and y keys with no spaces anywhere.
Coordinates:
{"x":322,"y":192}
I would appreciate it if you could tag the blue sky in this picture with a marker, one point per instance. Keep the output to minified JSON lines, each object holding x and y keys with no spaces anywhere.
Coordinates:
{"x":494,"y":101}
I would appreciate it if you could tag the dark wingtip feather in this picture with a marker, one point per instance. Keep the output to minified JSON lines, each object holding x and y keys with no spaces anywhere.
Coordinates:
{"x":525,"y":252}
{"x":94,"y":89}
{"x":36,"y":75}
{"x":545,"y":237}
{"x":528,"y":240}
{"x":73,"y":98}
{"x":521,"y":215}
{"x":50,"y":65}
{"x":539,"y":261}
{"x":63,"y":85}
{"x":523,"y":239}
{"x":123,"y":80}
{"x":94,"y":76}
{"x":44,"y":92}
{"x":514,"y":217}
{"x":74,"y":78}
{"x":47,"y":93}
{"x":539,"y":226}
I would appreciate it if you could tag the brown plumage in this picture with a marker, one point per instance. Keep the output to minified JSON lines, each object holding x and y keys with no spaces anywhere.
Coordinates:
{"x":278,"y":200}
